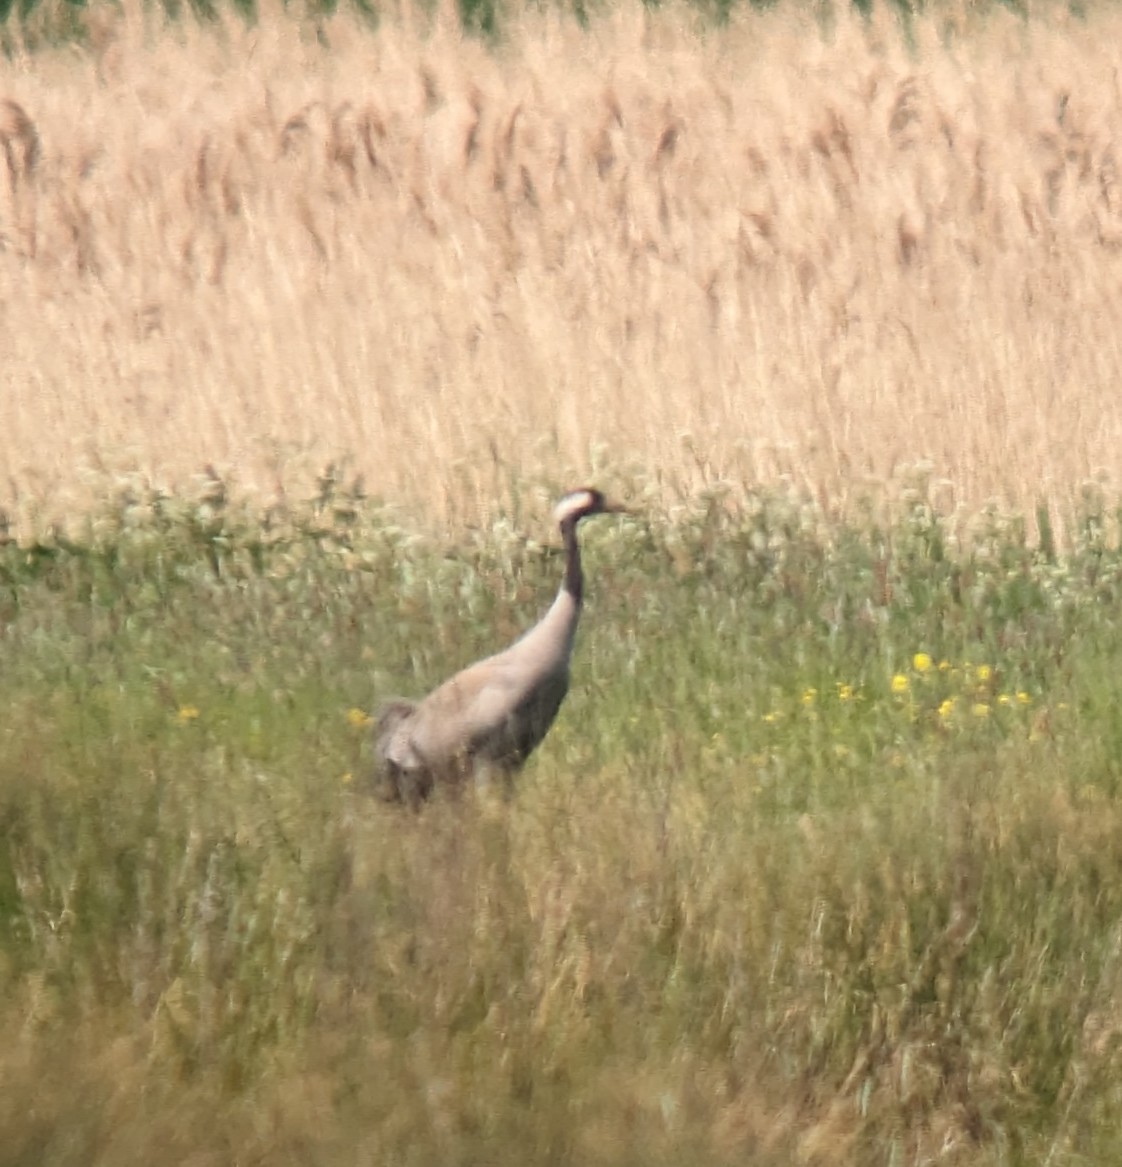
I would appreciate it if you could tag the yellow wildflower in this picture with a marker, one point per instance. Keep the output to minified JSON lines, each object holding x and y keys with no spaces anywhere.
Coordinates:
{"x":347,"y":778}
{"x":984,"y":674}
{"x":922,"y":662}
{"x":359,"y":719}
{"x":771,"y":718}
{"x":981,"y":709}
{"x":845,"y":692}
{"x":1023,"y":698}
{"x":809,"y":695}
{"x":899,"y":684}
{"x":1004,"y":699}
{"x":186,"y":713}
{"x":948,"y":707}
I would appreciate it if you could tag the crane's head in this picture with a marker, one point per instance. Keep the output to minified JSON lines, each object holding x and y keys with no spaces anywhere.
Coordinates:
{"x":579,"y":504}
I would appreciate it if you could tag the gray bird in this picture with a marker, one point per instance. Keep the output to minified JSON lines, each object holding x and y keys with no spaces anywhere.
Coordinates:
{"x":488,"y":719}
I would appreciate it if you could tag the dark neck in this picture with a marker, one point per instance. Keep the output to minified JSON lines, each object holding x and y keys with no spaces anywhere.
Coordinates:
{"x":574,"y":577}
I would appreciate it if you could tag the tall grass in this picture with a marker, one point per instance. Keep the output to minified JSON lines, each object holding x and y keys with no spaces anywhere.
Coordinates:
{"x":821,"y":861}
{"x":761,"y":253}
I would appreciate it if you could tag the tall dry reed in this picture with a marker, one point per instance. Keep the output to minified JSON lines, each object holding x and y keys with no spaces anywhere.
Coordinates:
{"x":647,"y":249}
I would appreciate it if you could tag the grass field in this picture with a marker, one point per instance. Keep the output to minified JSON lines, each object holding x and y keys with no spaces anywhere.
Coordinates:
{"x":821,"y":863}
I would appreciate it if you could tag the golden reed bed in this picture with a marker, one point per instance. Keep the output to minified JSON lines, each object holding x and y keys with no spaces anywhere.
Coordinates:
{"x":647,"y":251}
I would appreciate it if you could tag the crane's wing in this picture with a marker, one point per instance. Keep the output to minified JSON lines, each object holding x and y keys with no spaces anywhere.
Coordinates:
{"x":395,"y":778}
{"x":453,"y":719}
{"x":391,"y":730}
{"x":496,"y":710}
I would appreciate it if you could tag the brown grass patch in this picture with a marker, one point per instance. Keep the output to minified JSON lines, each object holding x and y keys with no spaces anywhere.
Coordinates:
{"x":641,"y":251}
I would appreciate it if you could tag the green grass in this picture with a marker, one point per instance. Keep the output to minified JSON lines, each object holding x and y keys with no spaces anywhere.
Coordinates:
{"x":823,"y":858}
{"x":39,"y":24}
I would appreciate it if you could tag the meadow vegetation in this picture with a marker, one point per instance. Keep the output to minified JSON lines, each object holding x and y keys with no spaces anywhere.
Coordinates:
{"x":822,"y":861}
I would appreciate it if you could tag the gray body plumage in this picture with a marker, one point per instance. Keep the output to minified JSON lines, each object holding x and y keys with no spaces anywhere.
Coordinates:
{"x":490,"y":717}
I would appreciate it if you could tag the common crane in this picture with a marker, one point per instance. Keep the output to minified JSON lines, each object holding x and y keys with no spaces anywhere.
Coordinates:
{"x":488,"y":719}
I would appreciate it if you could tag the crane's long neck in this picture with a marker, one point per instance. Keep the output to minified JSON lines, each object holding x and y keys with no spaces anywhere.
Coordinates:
{"x":573,"y":583}
{"x":550,"y":641}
